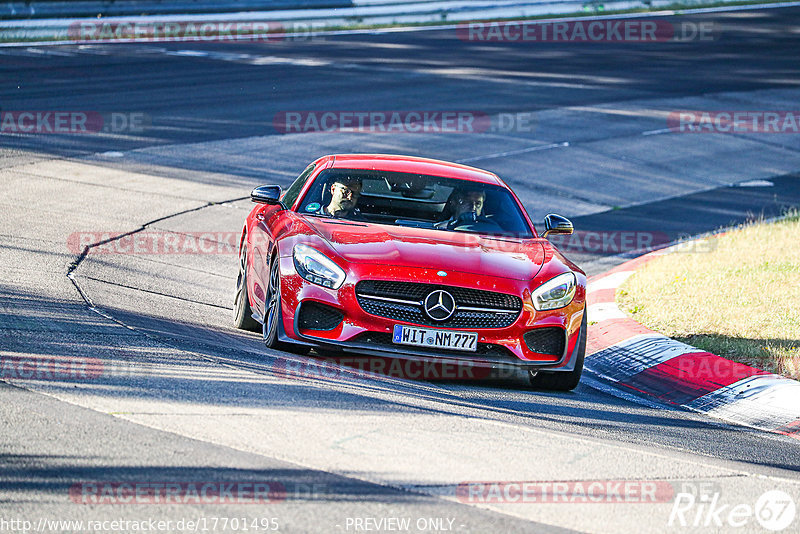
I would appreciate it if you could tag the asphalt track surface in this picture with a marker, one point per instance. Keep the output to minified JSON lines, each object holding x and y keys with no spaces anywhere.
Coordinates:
{"x":204,"y":402}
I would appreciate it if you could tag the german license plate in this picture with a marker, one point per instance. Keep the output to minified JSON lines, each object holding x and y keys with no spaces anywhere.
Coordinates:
{"x":435,"y":339}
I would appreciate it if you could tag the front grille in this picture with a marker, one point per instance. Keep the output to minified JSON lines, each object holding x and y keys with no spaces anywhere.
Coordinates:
{"x":509,"y":306}
{"x":416,"y":291}
{"x":549,"y":340}
{"x":489,"y":351}
{"x":316,"y":316}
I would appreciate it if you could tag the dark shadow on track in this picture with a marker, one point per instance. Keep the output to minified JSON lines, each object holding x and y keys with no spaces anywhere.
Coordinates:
{"x":160,"y":360}
{"x":65,"y":476}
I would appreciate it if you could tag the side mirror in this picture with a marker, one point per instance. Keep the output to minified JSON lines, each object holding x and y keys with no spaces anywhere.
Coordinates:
{"x":267,"y":194}
{"x":556,"y":225}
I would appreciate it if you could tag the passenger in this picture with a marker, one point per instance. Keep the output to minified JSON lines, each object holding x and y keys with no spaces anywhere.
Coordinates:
{"x":469,"y":201}
{"x":463,"y":207}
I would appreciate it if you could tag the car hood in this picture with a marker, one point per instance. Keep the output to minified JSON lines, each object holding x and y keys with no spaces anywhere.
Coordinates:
{"x":520,"y":259}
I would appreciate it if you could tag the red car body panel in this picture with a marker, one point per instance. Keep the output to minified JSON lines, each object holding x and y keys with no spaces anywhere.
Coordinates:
{"x":367,"y":251}
{"x":421,"y":247}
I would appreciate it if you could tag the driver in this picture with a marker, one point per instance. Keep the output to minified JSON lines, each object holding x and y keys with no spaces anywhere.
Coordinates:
{"x":345,"y":192}
{"x":465,"y":207}
{"x":469,"y":201}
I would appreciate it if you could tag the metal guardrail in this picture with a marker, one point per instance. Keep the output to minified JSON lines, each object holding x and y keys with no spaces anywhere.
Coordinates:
{"x":122,"y":8}
{"x":304,"y":16}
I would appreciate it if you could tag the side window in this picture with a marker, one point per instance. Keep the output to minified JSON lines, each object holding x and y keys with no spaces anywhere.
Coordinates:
{"x":294,"y":190}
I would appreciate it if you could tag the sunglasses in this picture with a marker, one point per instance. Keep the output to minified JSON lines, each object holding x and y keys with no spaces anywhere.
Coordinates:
{"x":348,"y":190}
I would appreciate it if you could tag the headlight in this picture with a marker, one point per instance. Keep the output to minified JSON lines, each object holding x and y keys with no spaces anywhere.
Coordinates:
{"x":317,"y":268}
{"x":555,"y":293}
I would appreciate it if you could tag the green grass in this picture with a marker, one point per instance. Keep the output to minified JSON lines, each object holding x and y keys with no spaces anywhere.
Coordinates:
{"x":738,"y":296}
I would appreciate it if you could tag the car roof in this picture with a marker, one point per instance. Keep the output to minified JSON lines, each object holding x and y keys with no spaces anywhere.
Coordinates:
{"x":414,"y":165}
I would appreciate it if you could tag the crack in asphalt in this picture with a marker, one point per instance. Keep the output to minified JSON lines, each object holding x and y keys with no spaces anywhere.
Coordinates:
{"x":75,"y":264}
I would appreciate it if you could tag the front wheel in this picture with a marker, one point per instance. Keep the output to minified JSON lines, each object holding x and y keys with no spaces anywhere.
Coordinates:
{"x":273,"y":315}
{"x":272,"y":312}
{"x":563,"y":381}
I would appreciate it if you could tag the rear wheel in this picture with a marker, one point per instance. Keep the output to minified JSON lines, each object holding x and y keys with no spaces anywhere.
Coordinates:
{"x":563,"y":381}
{"x":242,"y":314}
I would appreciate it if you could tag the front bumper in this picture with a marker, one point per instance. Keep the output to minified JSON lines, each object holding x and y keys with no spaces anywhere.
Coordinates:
{"x":363,"y":333}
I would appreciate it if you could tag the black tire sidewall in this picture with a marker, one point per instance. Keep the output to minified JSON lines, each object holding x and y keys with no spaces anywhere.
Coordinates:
{"x":243,"y":313}
{"x":271,"y":338}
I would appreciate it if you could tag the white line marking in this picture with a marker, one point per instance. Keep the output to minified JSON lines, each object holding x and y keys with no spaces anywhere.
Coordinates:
{"x":657,"y":132}
{"x":755,"y":183}
{"x":189,"y":53}
{"x":514,"y":152}
{"x":612,"y":281}
{"x":47,"y":52}
{"x":603,"y":311}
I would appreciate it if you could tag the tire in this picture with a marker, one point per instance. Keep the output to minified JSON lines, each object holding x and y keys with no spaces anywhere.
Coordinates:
{"x":273,"y":315}
{"x":242,"y":314}
{"x":272,"y":306}
{"x":564,"y":381}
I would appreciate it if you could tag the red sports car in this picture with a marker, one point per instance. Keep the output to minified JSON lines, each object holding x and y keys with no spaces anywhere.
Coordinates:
{"x":411,"y":258}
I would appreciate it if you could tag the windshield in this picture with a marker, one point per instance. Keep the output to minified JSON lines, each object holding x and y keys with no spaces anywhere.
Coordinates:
{"x":415,"y":200}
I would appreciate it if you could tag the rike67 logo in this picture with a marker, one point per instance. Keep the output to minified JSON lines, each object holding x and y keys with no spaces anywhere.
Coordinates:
{"x":774,"y":510}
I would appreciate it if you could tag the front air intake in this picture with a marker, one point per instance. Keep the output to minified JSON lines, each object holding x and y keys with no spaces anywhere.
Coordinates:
{"x":316,"y":316}
{"x":548,"y":340}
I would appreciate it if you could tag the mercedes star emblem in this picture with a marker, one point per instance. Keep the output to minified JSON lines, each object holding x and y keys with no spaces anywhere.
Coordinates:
{"x":440,"y":305}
